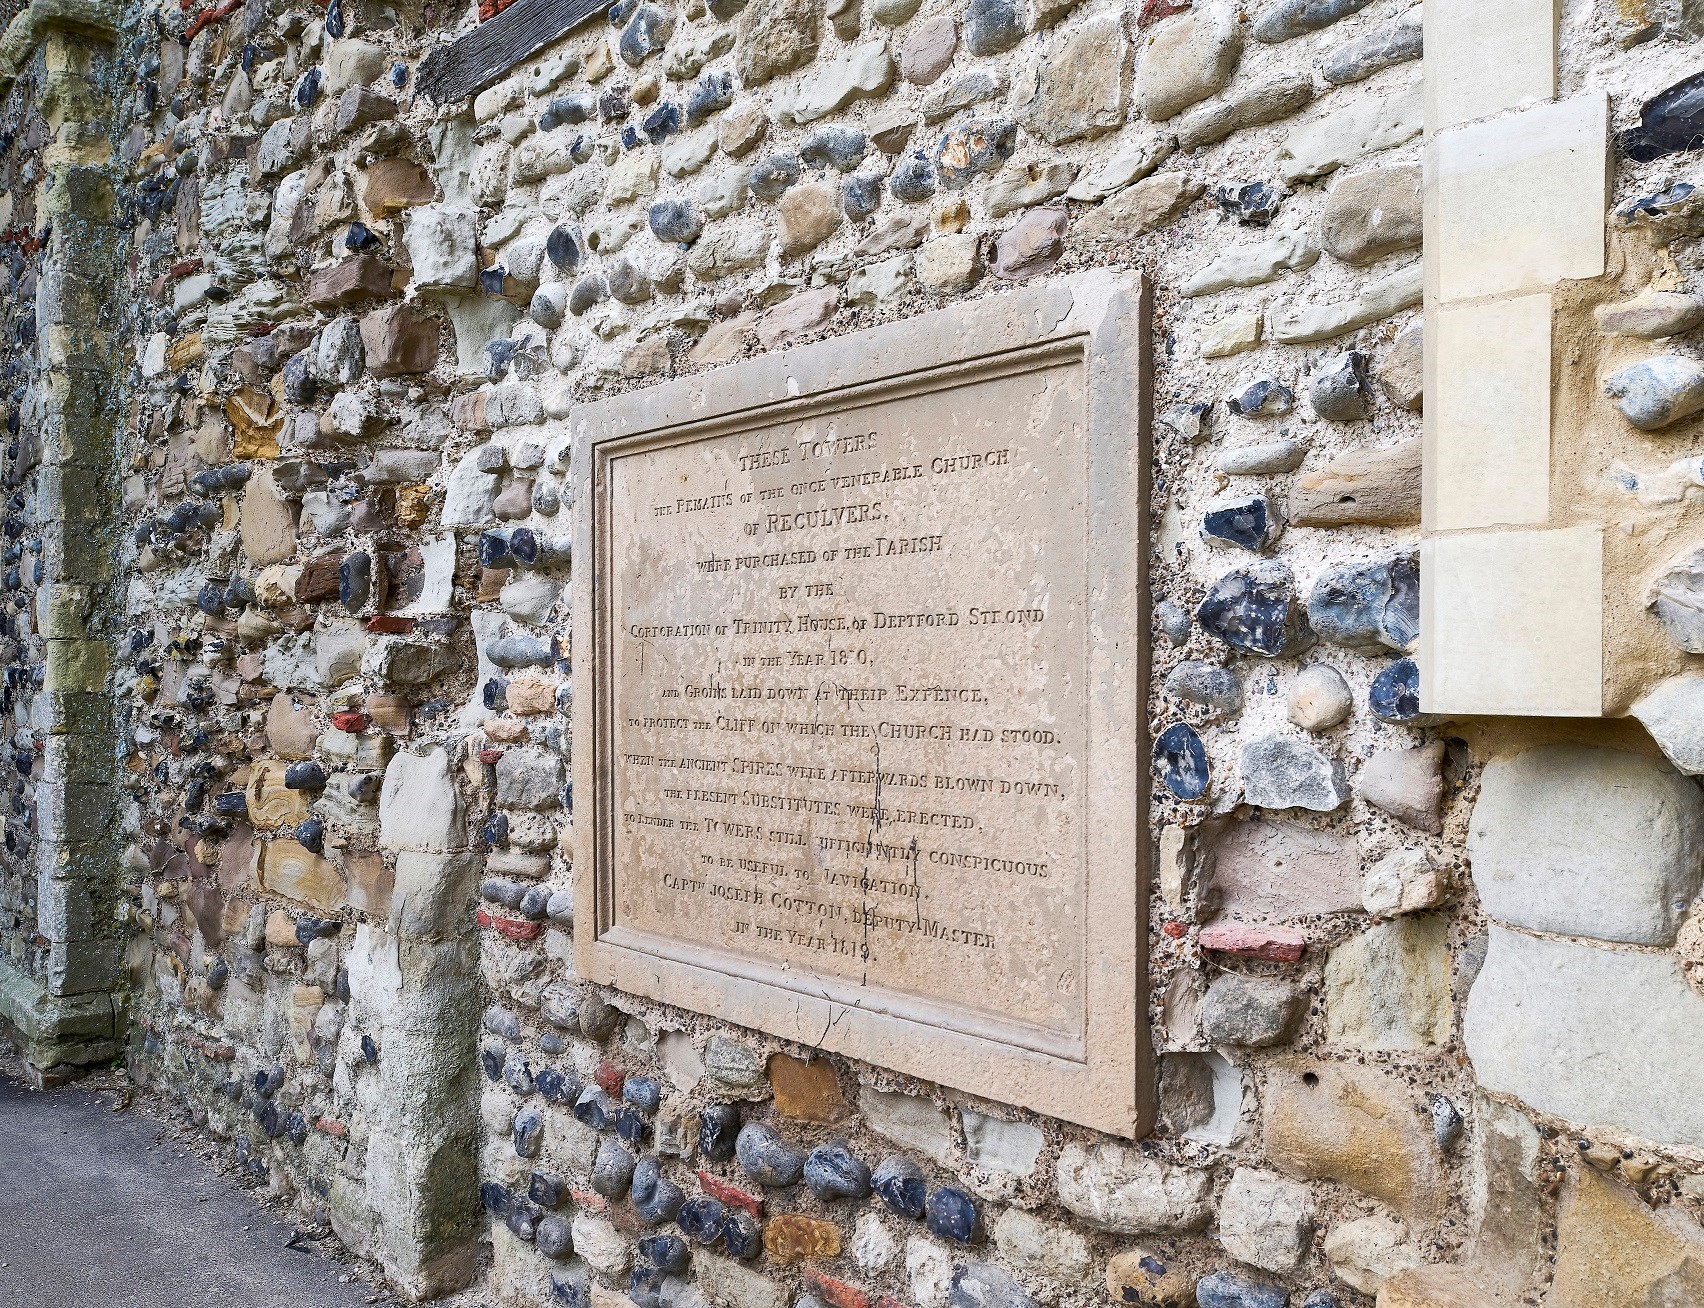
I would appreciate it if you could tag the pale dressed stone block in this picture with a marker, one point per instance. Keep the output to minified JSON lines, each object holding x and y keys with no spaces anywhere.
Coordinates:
{"x":1483,"y":58}
{"x":1516,"y":205}
{"x":1590,"y":1034}
{"x":1587,"y":842}
{"x":1512,"y":622}
{"x":1488,"y":440}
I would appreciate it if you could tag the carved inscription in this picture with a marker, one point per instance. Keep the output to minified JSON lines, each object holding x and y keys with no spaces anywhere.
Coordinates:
{"x":849,"y":710}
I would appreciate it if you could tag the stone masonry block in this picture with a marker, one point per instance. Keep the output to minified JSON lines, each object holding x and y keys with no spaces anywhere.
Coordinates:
{"x":71,"y":811}
{"x":1512,"y":622}
{"x":1587,"y":842}
{"x":1591,"y":1035}
{"x":84,"y":967}
{"x":77,"y":665}
{"x":1485,"y":56}
{"x":1488,"y":424}
{"x":1517,"y":205}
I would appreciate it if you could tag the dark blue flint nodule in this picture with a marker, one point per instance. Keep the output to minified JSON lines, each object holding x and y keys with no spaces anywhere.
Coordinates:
{"x":951,"y":1214}
{"x":1227,"y":1290}
{"x":742,"y":1238}
{"x":665,"y":1252}
{"x":899,"y":1182}
{"x":718,"y":1131}
{"x":1255,"y":609}
{"x":833,"y":1172}
{"x":766,"y":1157}
{"x":700,"y":1219}
{"x":1395,"y":692}
{"x":1245,"y":522}
{"x":552,"y":1237}
{"x":1180,"y":762}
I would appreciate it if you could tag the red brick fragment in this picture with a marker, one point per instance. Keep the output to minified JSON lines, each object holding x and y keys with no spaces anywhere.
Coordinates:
{"x":349,"y":720}
{"x":835,"y":1293}
{"x":390,"y":625}
{"x":610,"y":1077}
{"x":724,"y":1192}
{"x":514,"y":928}
{"x":1273,"y":944}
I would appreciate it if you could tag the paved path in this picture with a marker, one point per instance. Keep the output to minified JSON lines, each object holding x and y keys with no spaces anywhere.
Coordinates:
{"x":111,"y":1210}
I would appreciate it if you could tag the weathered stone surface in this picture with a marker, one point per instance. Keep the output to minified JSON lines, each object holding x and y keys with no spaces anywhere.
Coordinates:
{"x":1372,"y":214}
{"x":1115,"y":1188}
{"x":1677,"y":598}
{"x":1674,"y":715}
{"x":810,"y":214}
{"x":1252,"y":264}
{"x":909,"y":1121}
{"x":1379,"y":487}
{"x":393,"y":185}
{"x":1367,"y":1252}
{"x":1032,"y":245}
{"x":399,"y":341}
{"x":1148,"y":205}
{"x":1319,"y":698}
{"x":289,"y":870}
{"x":775,"y":37}
{"x":1389,"y":987}
{"x":991,"y":26}
{"x":1615,"y":1252}
{"x":1402,"y":369}
{"x":1140,"y":1277}
{"x":1265,"y":1220}
{"x":1509,"y":1199}
{"x":1383,"y":47}
{"x":1137,"y":154}
{"x":348,"y":280}
{"x":419,"y":805}
{"x":928,"y":49}
{"x":1081,"y":90}
{"x":1250,"y":1011}
{"x":1369,"y":605}
{"x":1303,"y":324}
{"x":1281,"y":772}
{"x":1658,"y":392}
{"x":266,"y":521}
{"x":998,"y":1145}
{"x":1408,"y":784}
{"x":950,"y":264}
{"x":809,"y":1092}
{"x":1403,"y":881}
{"x":862,"y":71}
{"x":1549,"y":1022}
{"x":1361,"y":127}
{"x":1339,"y":1122}
{"x":441,"y":243}
{"x":1186,"y":59}
{"x":797,"y":315}
{"x":1277,"y":870}
{"x":1289,"y":19}
{"x":1434,"y":1287}
{"x":1263,"y":102}
{"x":1587,"y":842}
{"x":1651,"y":315}
{"x":1039,"y":1248}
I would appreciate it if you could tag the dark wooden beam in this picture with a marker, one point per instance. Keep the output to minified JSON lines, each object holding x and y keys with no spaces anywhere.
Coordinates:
{"x":475,"y":60}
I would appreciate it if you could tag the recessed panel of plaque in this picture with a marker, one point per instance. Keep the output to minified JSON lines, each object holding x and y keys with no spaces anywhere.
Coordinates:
{"x":859,"y":743}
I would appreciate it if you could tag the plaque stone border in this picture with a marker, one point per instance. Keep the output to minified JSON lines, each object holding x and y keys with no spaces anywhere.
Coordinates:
{"x":1104,"y":1079}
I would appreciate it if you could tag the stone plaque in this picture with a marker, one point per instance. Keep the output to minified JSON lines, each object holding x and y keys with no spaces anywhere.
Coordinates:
{"x":862,"y":758}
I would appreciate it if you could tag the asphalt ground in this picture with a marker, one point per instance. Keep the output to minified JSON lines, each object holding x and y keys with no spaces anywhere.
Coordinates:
{"x":104,"y":1205}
